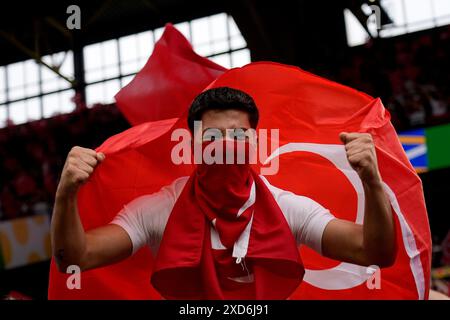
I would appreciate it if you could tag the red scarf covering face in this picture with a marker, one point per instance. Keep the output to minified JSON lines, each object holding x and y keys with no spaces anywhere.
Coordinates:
{"x":227,"y":238}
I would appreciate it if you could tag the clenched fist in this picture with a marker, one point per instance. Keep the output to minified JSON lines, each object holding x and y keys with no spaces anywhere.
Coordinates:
{"x":362,"y":156}
{"x":80,"y":164}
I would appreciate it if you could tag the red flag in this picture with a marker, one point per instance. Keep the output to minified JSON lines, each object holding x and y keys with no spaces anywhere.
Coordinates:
{"x":124,"y":175}
{"x":163,"y":89}
{"x":169,"y":81}
{"x":309,"y":112}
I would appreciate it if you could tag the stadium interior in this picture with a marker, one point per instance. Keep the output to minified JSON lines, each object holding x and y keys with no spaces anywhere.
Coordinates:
{"x":57,"y":89}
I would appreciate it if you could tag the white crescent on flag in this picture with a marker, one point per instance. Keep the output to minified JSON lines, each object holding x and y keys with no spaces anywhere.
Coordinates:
{"x":347,"y":275}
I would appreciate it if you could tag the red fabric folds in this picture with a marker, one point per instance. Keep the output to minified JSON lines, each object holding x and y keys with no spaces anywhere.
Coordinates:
{"x":169,"y":81}
{"x":309,"y":112}
{"x":187,"y":267}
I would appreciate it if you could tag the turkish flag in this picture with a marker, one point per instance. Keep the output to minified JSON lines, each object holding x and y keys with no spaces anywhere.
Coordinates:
{"x":309,"y":112}
{"x":169,"y":81}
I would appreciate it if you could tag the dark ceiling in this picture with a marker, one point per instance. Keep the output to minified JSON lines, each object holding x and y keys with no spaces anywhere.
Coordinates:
{"x":41,"y":24}
{"x":290,"y":31}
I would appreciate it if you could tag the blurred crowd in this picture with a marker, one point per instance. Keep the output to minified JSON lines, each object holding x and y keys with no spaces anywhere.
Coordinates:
{"x":409,"y":73}
{"x":32,"y":155}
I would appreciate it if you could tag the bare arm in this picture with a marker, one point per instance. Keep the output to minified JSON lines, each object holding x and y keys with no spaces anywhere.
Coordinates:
{"x":373,"y":243}
{"x":71,"y":245}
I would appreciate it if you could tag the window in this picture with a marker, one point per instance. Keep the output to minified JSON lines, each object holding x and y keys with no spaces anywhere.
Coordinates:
{"x":112,"y":64}
{"x":134,"y":51}
{"x":101,"y":61}
{"x":407,"y":16}
{"x":2,"y":84}
{"x":30,"y":91}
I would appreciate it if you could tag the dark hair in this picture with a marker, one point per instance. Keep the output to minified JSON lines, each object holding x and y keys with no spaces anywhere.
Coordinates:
{"x":222,"y":98}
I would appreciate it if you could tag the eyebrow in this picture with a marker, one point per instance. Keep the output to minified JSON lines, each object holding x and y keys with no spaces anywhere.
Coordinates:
{"x":241,"y":128}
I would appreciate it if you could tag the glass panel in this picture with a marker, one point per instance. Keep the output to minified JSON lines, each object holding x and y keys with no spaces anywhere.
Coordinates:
{"x":395,"y":10}
{"x":50,"y":80}
{"x":145,"y":44}
{"x":110,"y":54}
{"x":92,"y":56}
{"x":16,"y":93}
{"x":111,"y":72}
{"x":66,"y":103}
{"x":356,"y":35}
{"x":16,"y":74}
{"x":33,"y":109}
{"x":3,"y":114}
{"x":50,"y":85}
{"x":2,"y":85}
{"x":418,"y":15}
{"x":441,"y":8}
{"x":31,"y":72}
{"x":233,"y":28}
{"x":417,"y":10}
{"x":218,"y":26}
{"x":32,"y":89}
{"x":223,"y":60}
{"x":204,"y":49}
{"x":158,"y":33}
{"x":17,"y":112}
{"x":442,"y":21}
{"x":220,"y":46}
{"x":130,"y":67}
{"x":16,"y":80}
{"x":111,"y":88}
{"x":95,"y":94}
{"x":200,"y":31}
{"x":126,"y":80}
{"x":2,"y":79}
{"x":67,"y":66}
{"x":47,"y":74}
{"x":238,"y":42}
{"x":63,"y":83}
{"x":51,"y":105}
{"x":240,"y":58}
{"x":93,"y":75}
{"x":128,"y":48}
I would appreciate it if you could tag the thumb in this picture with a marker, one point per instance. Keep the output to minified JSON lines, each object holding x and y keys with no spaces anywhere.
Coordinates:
{"x":100,"y":156}
{"x":343,"y":137}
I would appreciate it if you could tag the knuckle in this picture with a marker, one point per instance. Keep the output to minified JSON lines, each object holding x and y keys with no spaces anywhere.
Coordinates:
{"x":73,"y":162}
{"x":89,"y":152}
{"x":70,"y":170}
{"x":75,"y":149}
{"x":81,"y":177}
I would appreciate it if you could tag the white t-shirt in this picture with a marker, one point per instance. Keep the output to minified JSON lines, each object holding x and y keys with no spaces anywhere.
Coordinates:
{"x":145,"y":218}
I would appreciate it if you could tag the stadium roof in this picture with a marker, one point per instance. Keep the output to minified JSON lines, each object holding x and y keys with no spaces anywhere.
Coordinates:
{"x":273,"y":30}
{"x":41,"y":25}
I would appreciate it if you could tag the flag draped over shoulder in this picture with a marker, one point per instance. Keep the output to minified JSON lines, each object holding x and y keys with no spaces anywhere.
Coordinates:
{"x":309,"y":112}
